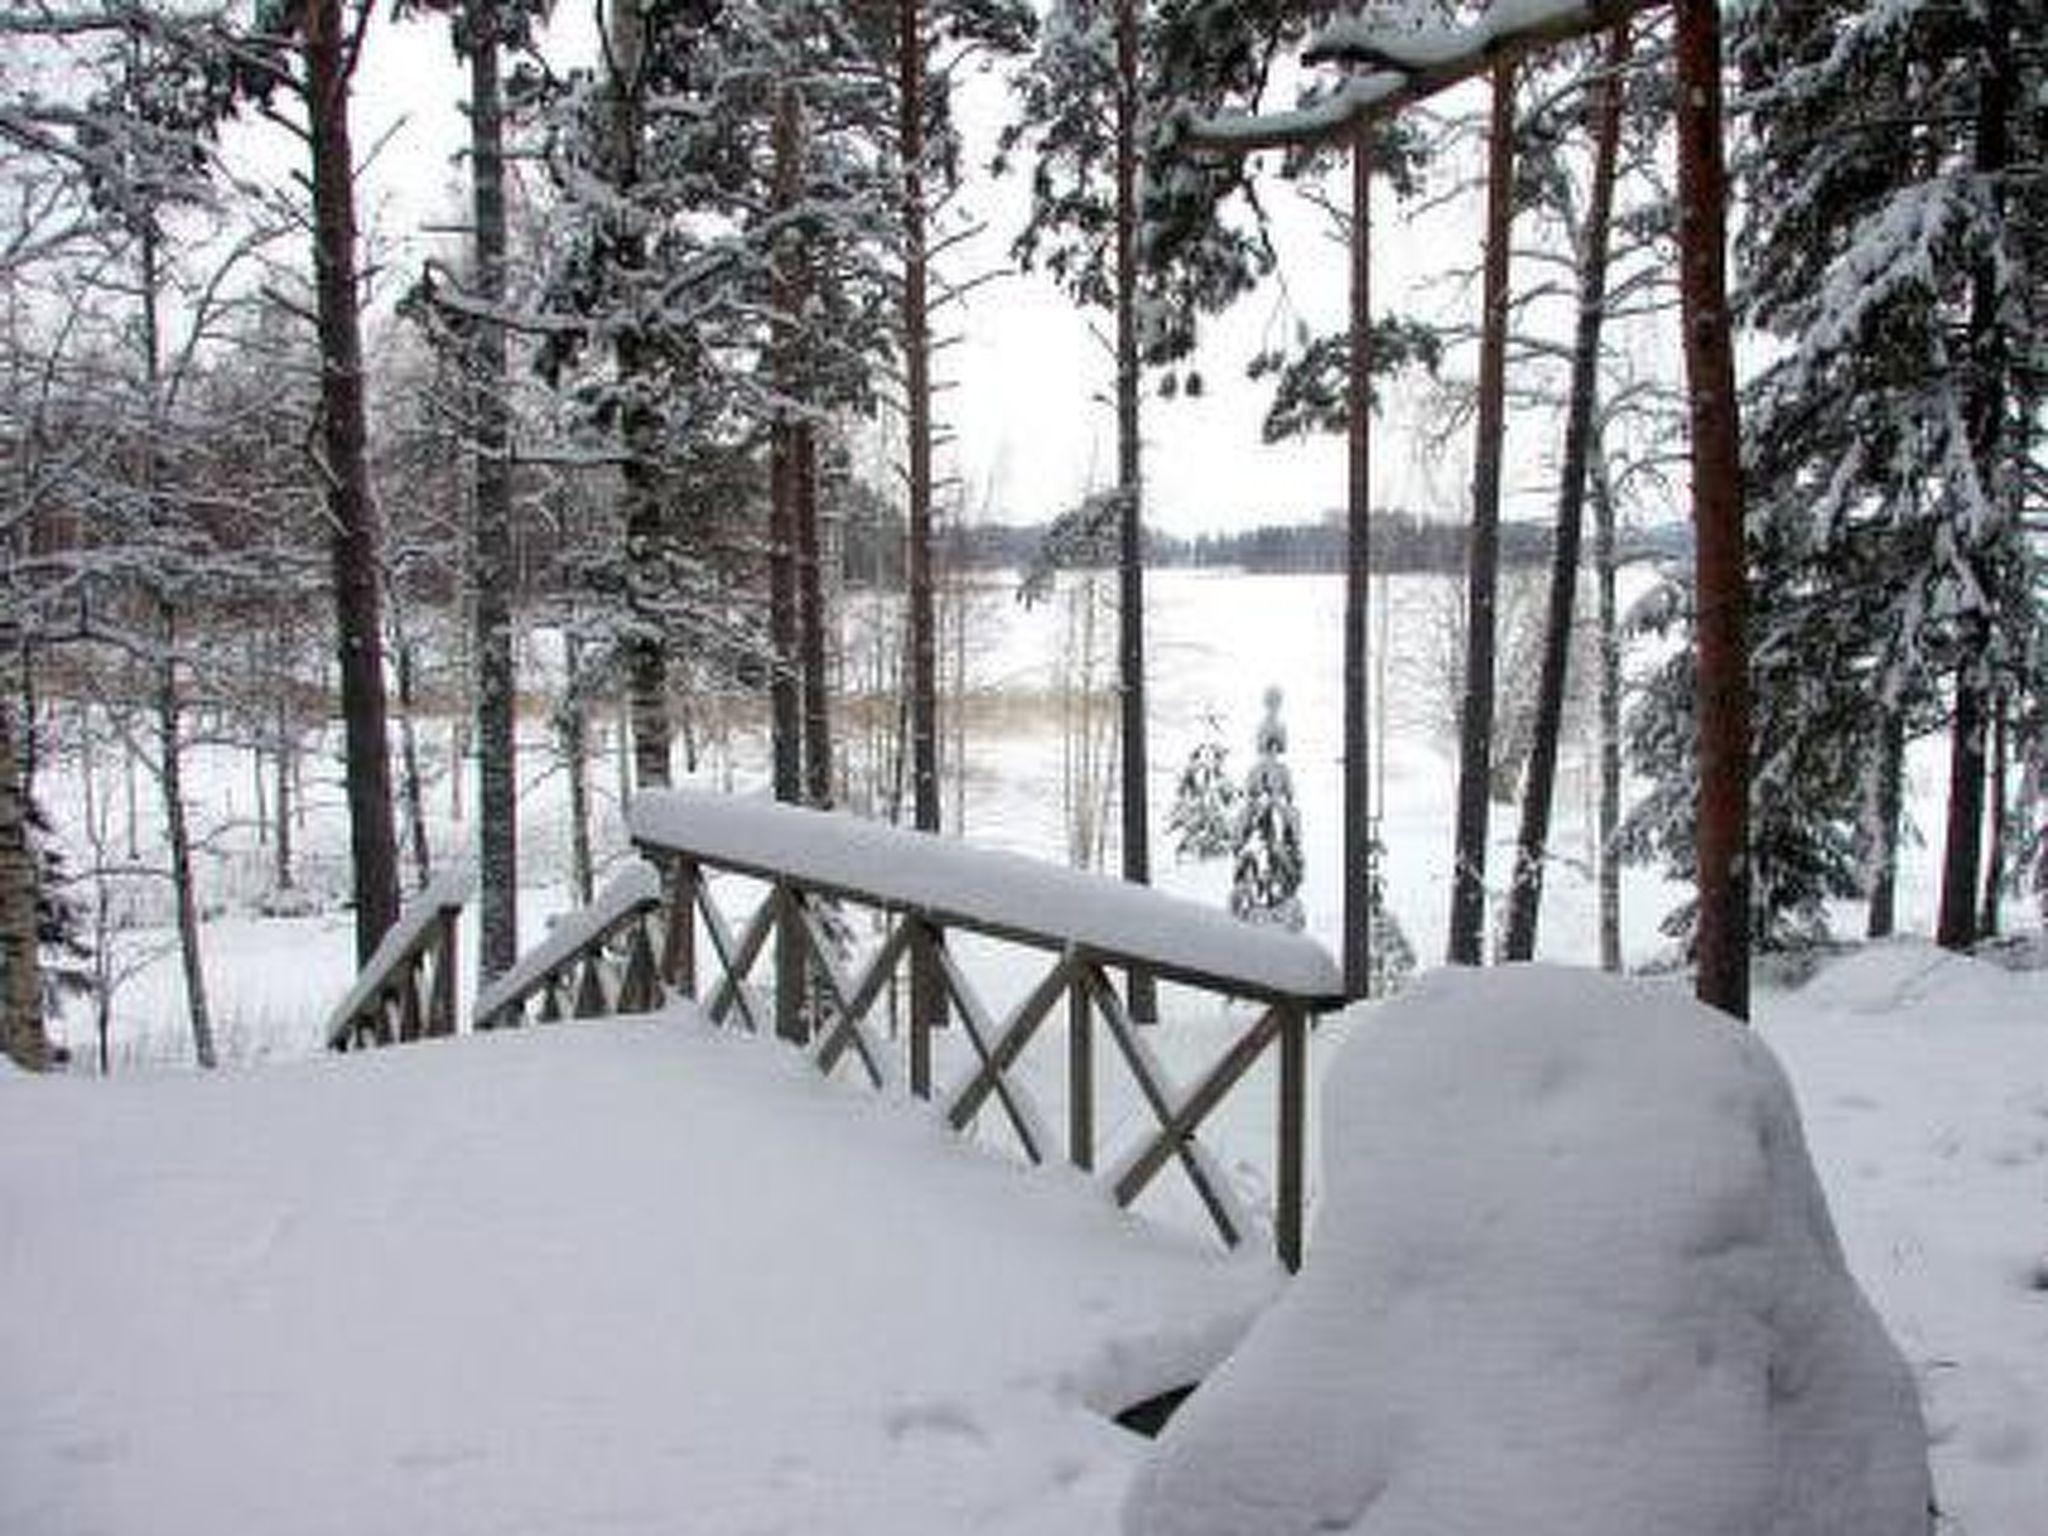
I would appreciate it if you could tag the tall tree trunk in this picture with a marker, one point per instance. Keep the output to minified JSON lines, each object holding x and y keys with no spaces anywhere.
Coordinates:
{"x":1956,"y":926}
{"x":1137,"y":837}
{"x":784,"y":602}
{"x":1605,"y":566}
{"x":1887,"y":801}
{"x":1360,"y":855}
{"x":411,"y":790}
{"x":1995,"y":790}
{"x":924,"y":690}
{"x":1720,"y":582}
{"x":330,"y":62}
{"x":169,"y":704}
{"x":491,"y":599}
{"x":814,"y":653}
{"x":22,"y":1037}
{"x":178,"y":832}
{"x":927,"y":1000}
{"x":575,"y":728}
{"x":283,"y":752}
{"x":1525,"y":897}
{"x":1482,"y":555}
{"x":645,"y":644}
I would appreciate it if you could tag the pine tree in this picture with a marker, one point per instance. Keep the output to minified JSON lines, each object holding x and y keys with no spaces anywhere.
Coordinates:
{"x":1894,"y":228}
{"x":1814,"y":707}
{"x":1204,"y":819}
{"x":1393,"y":956}
{"x":1266,"y":881}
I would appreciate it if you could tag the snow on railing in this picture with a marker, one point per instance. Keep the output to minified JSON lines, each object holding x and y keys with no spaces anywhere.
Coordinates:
{"x":407,"y":990}
{"x":573,"y":956}
{"x":923,"y":889}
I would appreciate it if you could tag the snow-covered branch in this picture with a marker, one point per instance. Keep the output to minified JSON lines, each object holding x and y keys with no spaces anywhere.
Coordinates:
{"x":1396,"y":68}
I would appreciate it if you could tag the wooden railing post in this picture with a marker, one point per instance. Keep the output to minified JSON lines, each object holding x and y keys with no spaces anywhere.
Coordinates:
{"x":441,"y":1014}
{"x":1080,"y":1074}
{"x":927,"y":1000}
{"x":679,"y":932}
{"x":789,"y":965}
{"x":1290,"y":1155}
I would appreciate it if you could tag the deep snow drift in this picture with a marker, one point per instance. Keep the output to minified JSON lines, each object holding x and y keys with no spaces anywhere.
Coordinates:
{"x":1572,"y":1273}
{"x":620,"y":1277}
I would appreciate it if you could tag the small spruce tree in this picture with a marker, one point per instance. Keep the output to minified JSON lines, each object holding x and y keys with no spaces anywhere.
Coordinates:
{"x":1393,"y":957}
{"x":1267,"y":880}
{"x":1204,"y":817}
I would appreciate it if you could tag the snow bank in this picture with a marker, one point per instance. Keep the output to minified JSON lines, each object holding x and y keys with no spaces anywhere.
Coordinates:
{"x":1925,"y":1091}
{"x":638,"y":1277}
{"x":997,"y":891}
{"x":1572,"y":1274}
{"x":1909,"y":973}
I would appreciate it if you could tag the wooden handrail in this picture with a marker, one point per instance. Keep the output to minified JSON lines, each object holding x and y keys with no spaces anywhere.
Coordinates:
{"x":925,"y":889}
{"x":570,"y":963}
{"x":407,"y":991}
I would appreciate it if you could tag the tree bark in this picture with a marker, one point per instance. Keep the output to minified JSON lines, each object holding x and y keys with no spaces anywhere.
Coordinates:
{"x":1525,"y":897}
{"x":1887,"y":799}
{"x":1482,"y":555}
{"x":927,"y":997}
{"x":284,"y":753}
{"x":645,"y":643}
{"x":496,"y":680}
{"x":1957,"y":925}
{"x":352,"y":510}
{"x":1359,"y":852}
{"x":814,"y":653}
{"x":924,"y":690}
{"x":575,"y":729}
{"x":22,"y":1037}
{"x":784,"y":620}
{"x":178,"y":832}
{"x":1605,"y":567}
{"x":1721,"y":586}
{"x":169,"y":704}
{"x":1136,"y":830}
{"x":1995,"y":791}
{"x":411,"y":790}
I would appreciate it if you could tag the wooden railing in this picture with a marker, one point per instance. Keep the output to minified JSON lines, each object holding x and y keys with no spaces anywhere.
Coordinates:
{"x":923,"y":891}
{"x":407,"y":991}
{"x":594,"y":961}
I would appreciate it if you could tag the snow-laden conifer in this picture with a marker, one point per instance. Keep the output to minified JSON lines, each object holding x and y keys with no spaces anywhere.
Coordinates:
{"x":1266,"y":883}
{"x":1894,"y":247}
{"x":1204,"y":816}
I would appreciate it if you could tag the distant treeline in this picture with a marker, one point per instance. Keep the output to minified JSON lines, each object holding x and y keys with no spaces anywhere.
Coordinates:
{"x":1402,"y":542}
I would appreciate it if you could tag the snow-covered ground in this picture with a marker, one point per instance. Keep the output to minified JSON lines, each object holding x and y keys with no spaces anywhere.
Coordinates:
{"x":313,"y":1295}
{"x":628,"y":1277}
{"x":637,"y":1276}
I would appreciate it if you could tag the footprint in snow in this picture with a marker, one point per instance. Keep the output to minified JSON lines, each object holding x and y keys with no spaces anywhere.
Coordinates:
{"x":939,"y":1417}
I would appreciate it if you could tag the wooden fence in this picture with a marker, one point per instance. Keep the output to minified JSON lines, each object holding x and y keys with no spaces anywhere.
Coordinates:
{"x":647,"y":933}
{"x":923,"y":892}
{"x":407,"y":991}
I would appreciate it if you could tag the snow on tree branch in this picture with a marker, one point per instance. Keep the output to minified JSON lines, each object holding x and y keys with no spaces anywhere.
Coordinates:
{"x":1402,"y":66}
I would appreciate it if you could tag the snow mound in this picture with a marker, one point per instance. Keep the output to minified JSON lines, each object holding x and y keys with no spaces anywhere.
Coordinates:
{"x":637,"y":1278}
{"x":1572,"y":1273}
{"x":1908,"y":973}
